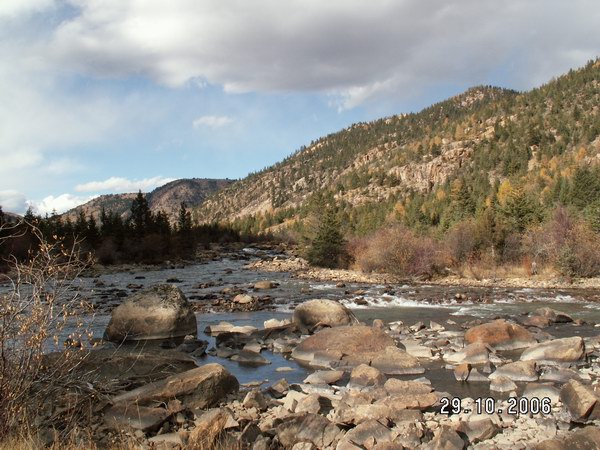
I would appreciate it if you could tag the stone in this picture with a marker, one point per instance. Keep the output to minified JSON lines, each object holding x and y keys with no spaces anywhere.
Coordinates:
{"x":309,"y":427}
{"x":415,"y":349}
{"x":565,"y":350}
{"x":167,"y":440}
{"x":264,"y":285}
{"x":559,"y":374}
{"x":500,"y":335}
{"x":343,"y":340}
{"x":478,"y":430}
{"x":369,"y":433}
{"x":462,"y":371}
{"x":191,"y":344}
{"x":517,"y":371}
{"x":292,"y":399}
{"x":255,"y":399}
{"x":274,"y":323}
{"x":542,"y":390}
{"x":393,"y":386}
{"x":279,"y":388}
{"x":158,"y":312}
{"x":391,"y":361}
{"x":580,"y":400}
{"x":243,"y":299}
{"x":445,"y":438}
{"x":502,"y":384}
{"x":209,"y":427}
{"x":553,"y":315}
{"x":378,"y":323}
{"x":364,"y":376}
{"x":476,"y":353}
{"x":324,"y":377}
{"x":321,"y":312}
{"x":132,"y":416}
{"x":313,"y":403}
{"x":587,"y":438}
{"x":250,"y":358}
{"x":197,"y":388}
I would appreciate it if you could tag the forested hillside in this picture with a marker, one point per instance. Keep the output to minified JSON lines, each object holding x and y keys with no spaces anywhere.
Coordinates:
{"x":490,"y":158}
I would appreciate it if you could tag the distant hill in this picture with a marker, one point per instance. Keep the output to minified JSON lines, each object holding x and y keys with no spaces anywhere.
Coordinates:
{"x":192,"y":191}
{"x":430,"y":168}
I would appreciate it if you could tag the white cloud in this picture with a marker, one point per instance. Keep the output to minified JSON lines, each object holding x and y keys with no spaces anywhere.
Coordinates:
{"x":211,"y":121}
{"x":355,"y":50}
{"x":119,"y":184}
{"x":11,"y":9}
{"x":60,"y":204}
{"x":13,"y":201}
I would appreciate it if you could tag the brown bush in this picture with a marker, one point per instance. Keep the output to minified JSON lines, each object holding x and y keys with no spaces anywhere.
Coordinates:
{"x":34,"y":315}
{"x":399,"y":251}
{"x":462,"y":243}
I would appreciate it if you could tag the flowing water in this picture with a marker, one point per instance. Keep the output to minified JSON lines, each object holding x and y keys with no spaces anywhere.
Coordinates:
{"x":203,"y":282}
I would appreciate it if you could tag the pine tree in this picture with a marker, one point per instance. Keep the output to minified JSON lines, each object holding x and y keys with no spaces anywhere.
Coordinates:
{"x":327,"y":248}
{"x":141,"y":216}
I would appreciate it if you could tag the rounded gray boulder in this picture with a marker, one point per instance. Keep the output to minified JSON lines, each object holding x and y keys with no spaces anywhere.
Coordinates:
{"x":159,"y":312}
{"x":321,"y":312}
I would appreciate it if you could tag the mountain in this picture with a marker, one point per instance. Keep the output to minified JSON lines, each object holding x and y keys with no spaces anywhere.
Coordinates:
{"x":432,"y":167}
{"x":192,"y":191}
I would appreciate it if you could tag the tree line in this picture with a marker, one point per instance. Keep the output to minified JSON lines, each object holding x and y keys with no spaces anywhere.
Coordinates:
{"x":142,"y":236}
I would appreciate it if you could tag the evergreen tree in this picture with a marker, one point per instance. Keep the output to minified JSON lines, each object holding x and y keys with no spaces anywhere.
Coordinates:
{"x":184,"y":219}
{"x":141,"y":216}
{"x":520,"y":210}
{"x":327,"y":248}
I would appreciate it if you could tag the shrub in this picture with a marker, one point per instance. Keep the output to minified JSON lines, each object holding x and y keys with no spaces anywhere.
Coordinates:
{"x":400,"y":251}
{"x":34,"y":315}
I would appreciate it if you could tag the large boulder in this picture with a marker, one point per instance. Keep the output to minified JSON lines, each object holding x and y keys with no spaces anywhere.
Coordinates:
{"x":197,"y":388}
{"x":517,"y":371}
{"x":313,"y":428}
{"x":340,"y":341}
{"x":159,"y":312}
{"x":556,"y":351}
{"x":322,"y":312}
{"x":581,"y":401}
{"x":500,"y":335}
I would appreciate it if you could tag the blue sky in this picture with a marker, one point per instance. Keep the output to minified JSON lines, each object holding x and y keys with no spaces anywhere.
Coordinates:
{"x":105,"y":96}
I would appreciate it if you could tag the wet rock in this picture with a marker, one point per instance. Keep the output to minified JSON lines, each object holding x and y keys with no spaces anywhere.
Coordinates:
{"x":264,"y":285}
{"x":564,"y":350}
{"x":191,"y":344}
{"x":364,"y":376}
{"x":500,"y":335}
{"x":321,"y":312}
{"x":517,"y":371}
{"x":196,"y":388}
{"x":502,"y":384}
{"x":250,"y":358}
{"x":415,"y":349}
{"x":445,"y":438}
{"x":580,"y":400}
{"x":312,"y":428}
{"x":159,"y":312}
{"x":132,"y":416}
{"x":348,"y":340}
{"x":324,"y":377}
{"x":553,"y":315}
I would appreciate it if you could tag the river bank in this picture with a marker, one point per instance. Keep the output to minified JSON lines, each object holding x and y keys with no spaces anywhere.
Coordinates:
{"x":300,"y":268}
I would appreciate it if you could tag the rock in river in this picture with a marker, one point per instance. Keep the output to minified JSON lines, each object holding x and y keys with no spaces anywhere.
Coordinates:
{"x":350,"y":346}
{"x":563,"y":350}
{"x":159,"y":312}
{"x":196,"y":388}
{"x":500,"y":335}
{"x":310,"y":314}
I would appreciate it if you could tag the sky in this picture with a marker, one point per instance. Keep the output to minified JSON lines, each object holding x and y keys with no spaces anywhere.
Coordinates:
{"x":109,"y":96}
